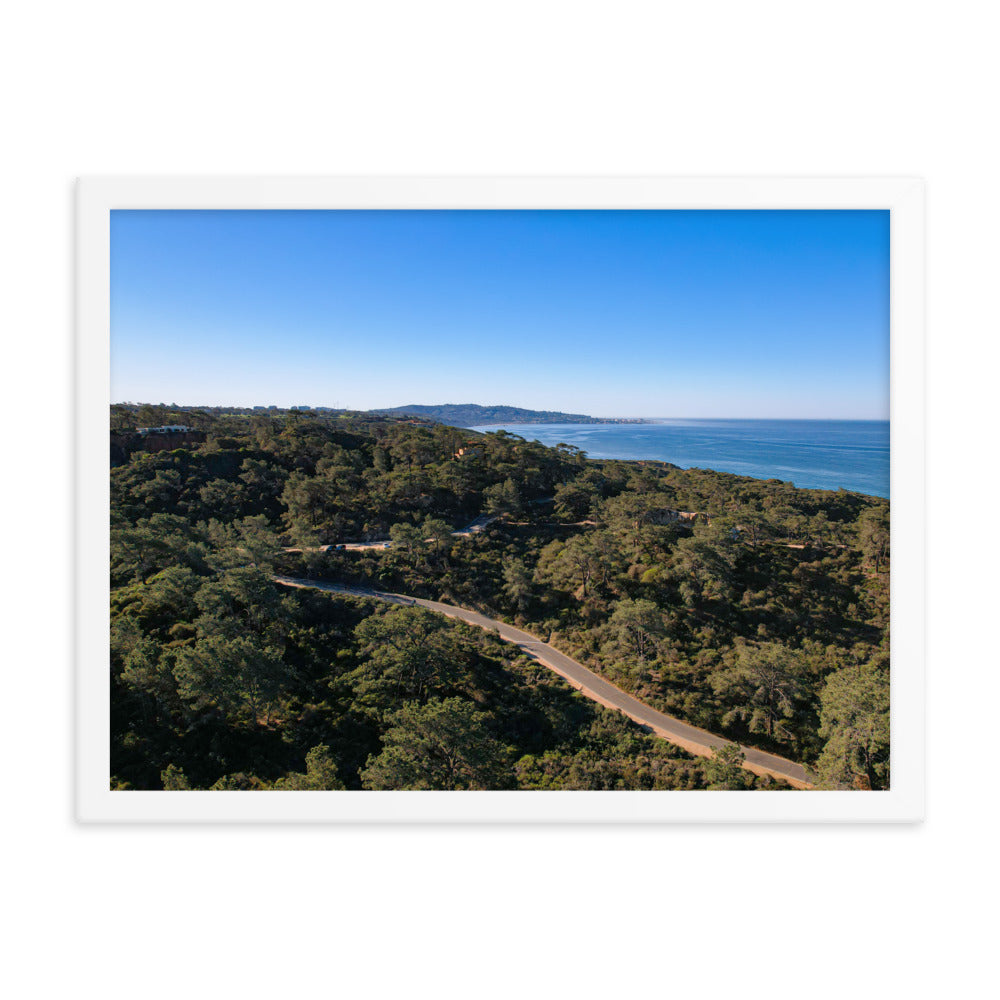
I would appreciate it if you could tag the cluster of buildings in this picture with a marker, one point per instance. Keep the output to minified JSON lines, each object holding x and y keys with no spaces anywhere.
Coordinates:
{"x":166,"y":429}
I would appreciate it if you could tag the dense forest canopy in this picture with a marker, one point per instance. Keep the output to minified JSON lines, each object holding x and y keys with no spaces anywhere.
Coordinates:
{"x":750,"y":608}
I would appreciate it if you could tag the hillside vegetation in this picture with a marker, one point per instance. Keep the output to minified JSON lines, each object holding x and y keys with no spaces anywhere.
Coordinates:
{"x":750,"y":608}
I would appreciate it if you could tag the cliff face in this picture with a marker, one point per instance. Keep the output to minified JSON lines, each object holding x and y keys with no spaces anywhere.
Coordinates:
{"x":168,"y":442}
{"x":122,"y":445}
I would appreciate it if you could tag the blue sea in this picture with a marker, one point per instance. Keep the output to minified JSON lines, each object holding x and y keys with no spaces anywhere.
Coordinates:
{"x":816,"y":454}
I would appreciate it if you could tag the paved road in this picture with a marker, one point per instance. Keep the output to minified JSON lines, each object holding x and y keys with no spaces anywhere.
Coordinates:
{"x":480,"y":524}
{"x":692,"y":739}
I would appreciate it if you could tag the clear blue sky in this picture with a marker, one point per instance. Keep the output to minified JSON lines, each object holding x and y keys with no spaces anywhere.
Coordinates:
{"x":610,"y":313}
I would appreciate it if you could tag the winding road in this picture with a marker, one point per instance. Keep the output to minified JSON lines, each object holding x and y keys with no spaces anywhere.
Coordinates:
{"x":481,"y":523}
{"x":590,"y":684}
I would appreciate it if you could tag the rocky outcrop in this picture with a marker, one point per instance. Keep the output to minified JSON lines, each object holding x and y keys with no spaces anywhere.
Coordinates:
{"x":123,"y":444}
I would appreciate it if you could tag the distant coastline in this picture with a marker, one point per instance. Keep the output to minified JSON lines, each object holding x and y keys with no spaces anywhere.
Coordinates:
{"x":814,"y":454}
{"x":474,"y":415}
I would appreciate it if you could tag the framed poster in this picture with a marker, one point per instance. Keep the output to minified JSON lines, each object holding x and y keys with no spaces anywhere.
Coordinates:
{"x":500,"y":500}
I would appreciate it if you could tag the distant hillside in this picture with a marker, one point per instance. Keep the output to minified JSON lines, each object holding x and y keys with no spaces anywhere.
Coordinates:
{"x":473,"y":415}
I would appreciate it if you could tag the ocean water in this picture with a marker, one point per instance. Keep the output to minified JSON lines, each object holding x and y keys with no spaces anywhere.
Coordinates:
{"x":816,"y":454}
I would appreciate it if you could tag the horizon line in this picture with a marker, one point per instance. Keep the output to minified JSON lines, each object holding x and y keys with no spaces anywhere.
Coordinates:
{"x":385,"y":409}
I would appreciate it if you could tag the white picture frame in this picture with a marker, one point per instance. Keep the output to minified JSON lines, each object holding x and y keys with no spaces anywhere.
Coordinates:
{"x":97,"y":197}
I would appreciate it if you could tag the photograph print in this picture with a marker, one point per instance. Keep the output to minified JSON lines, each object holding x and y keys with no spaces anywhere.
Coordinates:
{"x":519,"y":499}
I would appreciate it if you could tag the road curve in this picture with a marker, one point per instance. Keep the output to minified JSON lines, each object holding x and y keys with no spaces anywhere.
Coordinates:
{"x":590,"y":684}
{"x":481,"y":523}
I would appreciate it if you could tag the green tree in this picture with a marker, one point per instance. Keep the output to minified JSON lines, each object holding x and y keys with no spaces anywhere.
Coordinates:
{"x":610,"y":558}
{"x":573,"y":500}
{"x":122,"y":419}
{"x":241,"y":601}
{"x":570,"y":565}
{"x":174,"y":779}
{"x":854,"y":721}
{"x":239,"y":782}
{"x":164,"y":605}
{"x":703,"y":570}
{"x":320,"y":774}
{"x":407,"y":537}
{"x":753,"y":526}
{"x":154,"y":543}
{"x":764,"y":684}
{"x":873,"y":535}
{"x":407,"y":655}
{"x":149,"y":416}
{"x":261,"y":479}
{"x":318,"y":505}
{"x":162,"y":492}
{"x":638,"y":624}
{"x":503,"y":498}
{"x":222,"y":499}
{"x":146,"y":669}
{"x":440,"y":745}
{"x":248,"y":542}
{"x":724,"y":770}
{"x":438,"y":534}
{"x":517,"y":583}
{"x":235,"y":675}
{"x":629,"y":516}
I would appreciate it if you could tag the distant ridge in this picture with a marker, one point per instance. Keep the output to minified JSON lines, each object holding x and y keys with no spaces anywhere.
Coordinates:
{"x":474,"y":415}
